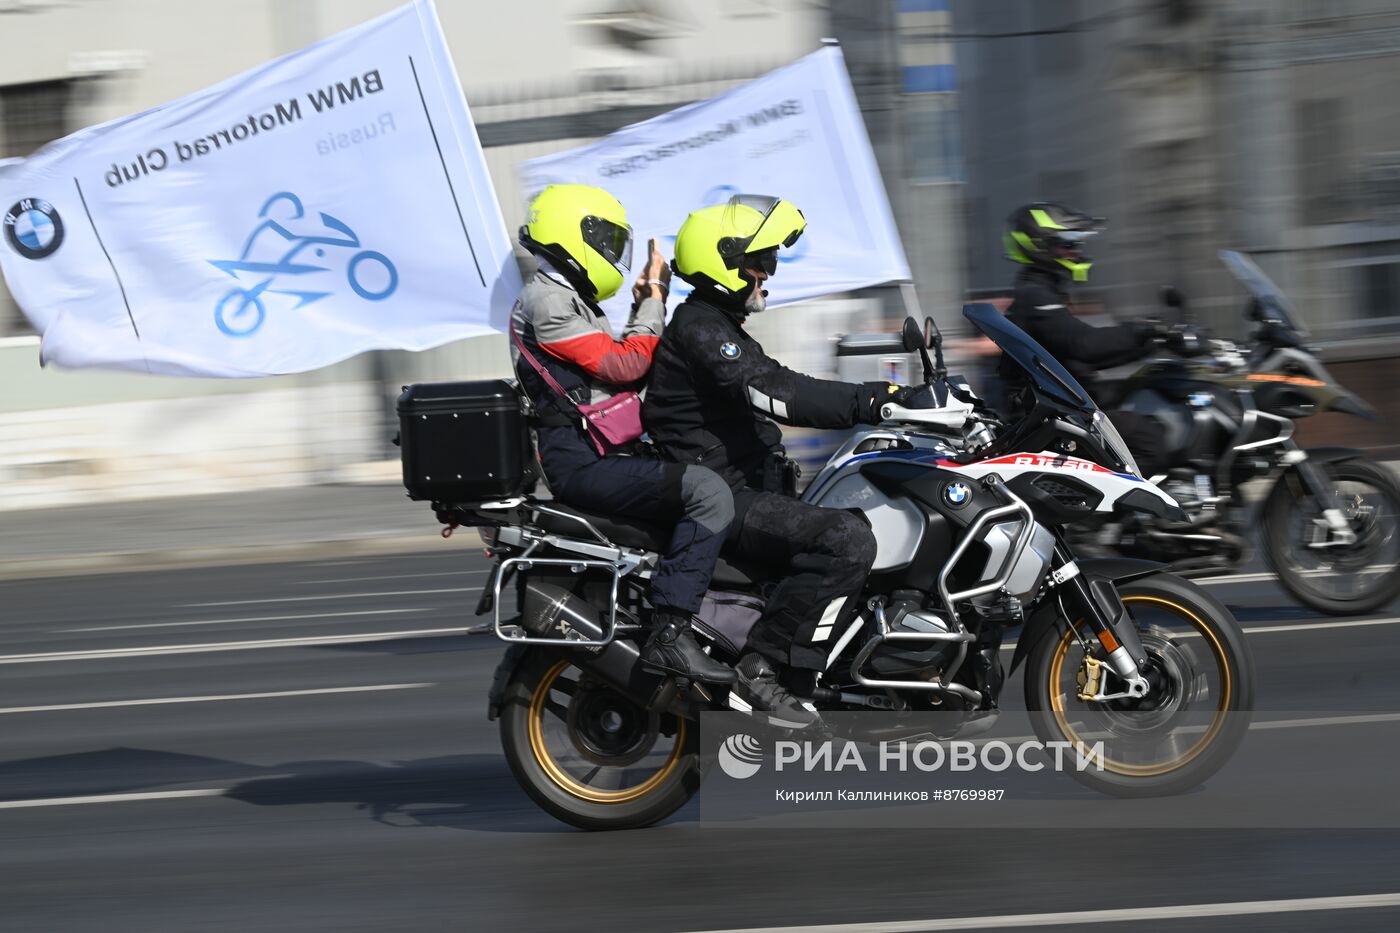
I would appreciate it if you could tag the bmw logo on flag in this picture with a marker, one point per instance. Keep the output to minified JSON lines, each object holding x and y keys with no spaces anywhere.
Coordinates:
{"x":957,"y":495}
{"x":729,"y":350}
{"x":33,"y":228}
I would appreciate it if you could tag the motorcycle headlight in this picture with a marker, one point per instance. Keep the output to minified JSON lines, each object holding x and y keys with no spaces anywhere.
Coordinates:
{"x":1113,"y":442}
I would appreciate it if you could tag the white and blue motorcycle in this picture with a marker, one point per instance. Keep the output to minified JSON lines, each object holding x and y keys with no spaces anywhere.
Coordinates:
{"x":969,"y":514}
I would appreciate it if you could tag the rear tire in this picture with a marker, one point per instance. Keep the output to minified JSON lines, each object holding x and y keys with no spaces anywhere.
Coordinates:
{"x":560,"y":778}
{"x":1222,"y":722}
{"x":1280,"y":521}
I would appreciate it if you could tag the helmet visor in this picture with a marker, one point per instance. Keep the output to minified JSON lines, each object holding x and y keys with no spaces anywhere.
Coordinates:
{"x":1070,"y":244}
{"x":613,"y":240}
{"x":757,"y":223}
{"x":765,"y":260}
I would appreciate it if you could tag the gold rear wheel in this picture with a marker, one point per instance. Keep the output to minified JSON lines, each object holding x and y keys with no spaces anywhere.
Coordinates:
{"x":590,"y":755}
{"x":596,"y":744}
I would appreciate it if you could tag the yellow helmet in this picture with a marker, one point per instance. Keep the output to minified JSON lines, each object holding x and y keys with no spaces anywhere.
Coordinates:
{"x":584,"y":231}
{"x":712,"y":244}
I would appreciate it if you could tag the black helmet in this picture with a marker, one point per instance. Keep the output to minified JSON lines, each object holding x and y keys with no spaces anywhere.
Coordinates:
{"x":1052,"y":237}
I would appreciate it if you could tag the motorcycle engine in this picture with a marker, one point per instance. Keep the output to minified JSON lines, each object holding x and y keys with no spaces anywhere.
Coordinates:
{"x":906,"y":658}
{"x":1188,"y":487}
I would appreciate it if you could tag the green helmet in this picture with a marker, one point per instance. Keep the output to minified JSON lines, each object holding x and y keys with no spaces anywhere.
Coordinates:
{"x":1052,"y":237}
{"x":583,"y":230}
{"x":714,"y":243}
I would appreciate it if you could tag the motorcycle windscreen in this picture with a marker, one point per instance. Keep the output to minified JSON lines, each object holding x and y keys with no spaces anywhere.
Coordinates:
{"x":1272,"y":303}
{"x":1050,"y":378}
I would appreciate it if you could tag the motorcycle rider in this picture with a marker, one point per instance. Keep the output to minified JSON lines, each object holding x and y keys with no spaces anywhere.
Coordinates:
{"x":583,"y":243}
{"x":1048,"y":241}
{"x":712,"y":400}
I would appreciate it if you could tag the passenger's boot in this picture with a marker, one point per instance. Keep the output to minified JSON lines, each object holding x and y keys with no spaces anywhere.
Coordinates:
{"x":672,"y":648}
{"x":758,"y":686}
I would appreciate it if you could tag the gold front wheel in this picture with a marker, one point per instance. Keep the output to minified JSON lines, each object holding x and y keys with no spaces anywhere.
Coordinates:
{"x":1197,"y":708}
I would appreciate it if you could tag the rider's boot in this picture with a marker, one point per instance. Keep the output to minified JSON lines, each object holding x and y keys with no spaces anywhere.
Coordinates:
{"x":758,"y":686}
{"x":672,"y":648}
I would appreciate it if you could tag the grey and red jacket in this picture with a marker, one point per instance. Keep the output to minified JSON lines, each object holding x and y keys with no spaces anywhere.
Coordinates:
{"x":572,"y":339}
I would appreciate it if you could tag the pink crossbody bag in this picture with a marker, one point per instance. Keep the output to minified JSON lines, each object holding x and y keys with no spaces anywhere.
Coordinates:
{"x":610,"y":425}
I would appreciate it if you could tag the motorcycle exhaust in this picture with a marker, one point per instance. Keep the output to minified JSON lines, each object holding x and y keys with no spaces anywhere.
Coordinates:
{"x":550,"y":611}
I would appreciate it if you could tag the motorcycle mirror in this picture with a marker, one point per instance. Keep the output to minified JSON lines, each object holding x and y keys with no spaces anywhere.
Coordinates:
{"x":1172,"y":297}
{"x":933,"y":337}
{"x":913,"y":337}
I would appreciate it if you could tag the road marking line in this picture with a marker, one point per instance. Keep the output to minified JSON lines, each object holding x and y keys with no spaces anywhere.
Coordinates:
{"x":313,"y":615}
{"x":1296,"y":627}
{"x":1269,"y":577}
{"x":308,"y":641}
{"x":111,"y":798}
{"x":158,"y":701}
{"x":225,"y":646}
{"x":914,"y":926}
{"x":1236,"y":578}
{"x":397,"y":576}
{"x":307,"y":599}
{"x":1308,"y":626}
{"x":1359,"y":719}
{"x":1067,"y":918}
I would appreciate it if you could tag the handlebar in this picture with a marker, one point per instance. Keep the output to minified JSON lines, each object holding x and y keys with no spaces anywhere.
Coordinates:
{"x":954,"y":414}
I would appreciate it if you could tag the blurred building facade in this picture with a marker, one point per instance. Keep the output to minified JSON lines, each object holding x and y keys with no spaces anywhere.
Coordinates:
{"x":540,"y":77}
{"x":1262,"y":125}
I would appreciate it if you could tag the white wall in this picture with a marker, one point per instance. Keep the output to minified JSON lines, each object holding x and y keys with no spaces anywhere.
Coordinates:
{"x":185,"y":446}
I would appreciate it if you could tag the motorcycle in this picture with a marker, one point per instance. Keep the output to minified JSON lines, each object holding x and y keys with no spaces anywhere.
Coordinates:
{"x":1328,"y":517}
{"x":969,"y":515}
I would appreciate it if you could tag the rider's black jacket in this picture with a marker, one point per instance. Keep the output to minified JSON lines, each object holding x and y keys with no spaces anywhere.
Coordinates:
{"x":713,"y":395}
{"x":1040,"y":307}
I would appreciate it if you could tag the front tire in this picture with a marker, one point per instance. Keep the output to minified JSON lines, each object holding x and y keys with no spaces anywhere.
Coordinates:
{"x":590,"y":756}
{"x":1345,"y":579}
{"x":1203,"y":691}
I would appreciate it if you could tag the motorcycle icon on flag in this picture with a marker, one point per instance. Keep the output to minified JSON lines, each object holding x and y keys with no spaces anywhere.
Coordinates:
{"x":242,"y":310}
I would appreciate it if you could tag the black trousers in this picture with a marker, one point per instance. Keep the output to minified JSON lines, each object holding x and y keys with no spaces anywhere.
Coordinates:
{"x":822,"y":557}
{"x":694,"y":497}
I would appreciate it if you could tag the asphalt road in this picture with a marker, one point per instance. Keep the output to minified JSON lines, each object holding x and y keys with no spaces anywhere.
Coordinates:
{"x":305,"y":747}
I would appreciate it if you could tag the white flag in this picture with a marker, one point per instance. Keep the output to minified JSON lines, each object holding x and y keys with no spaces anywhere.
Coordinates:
{"x":795,"y":133}
{"x":330,"y":202}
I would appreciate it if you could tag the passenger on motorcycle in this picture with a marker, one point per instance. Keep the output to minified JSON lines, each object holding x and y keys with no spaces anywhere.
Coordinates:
{"x":581,"y":238}
{"x":1048,"y":240}
{"x":712,"y":400}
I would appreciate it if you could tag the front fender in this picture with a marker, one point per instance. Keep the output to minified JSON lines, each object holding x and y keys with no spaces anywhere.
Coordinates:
{"x":1334,"y":454}
{"x":1044,"y":619}
{"x":1352,"y":404}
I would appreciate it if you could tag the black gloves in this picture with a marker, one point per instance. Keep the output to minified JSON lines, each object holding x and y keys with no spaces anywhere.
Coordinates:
{"x":1154,"y":331}
{"x":1185,"y":340}
{"x":876,"y":395}
{"x":1182,"y":339}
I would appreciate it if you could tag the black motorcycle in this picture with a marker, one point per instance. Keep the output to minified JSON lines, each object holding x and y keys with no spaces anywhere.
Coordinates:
{"x":1328,"y":520}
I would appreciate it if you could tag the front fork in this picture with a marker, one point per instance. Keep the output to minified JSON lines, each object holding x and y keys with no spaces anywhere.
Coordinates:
{"x":1316,"y":482}
{"x":1096,"y":601}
